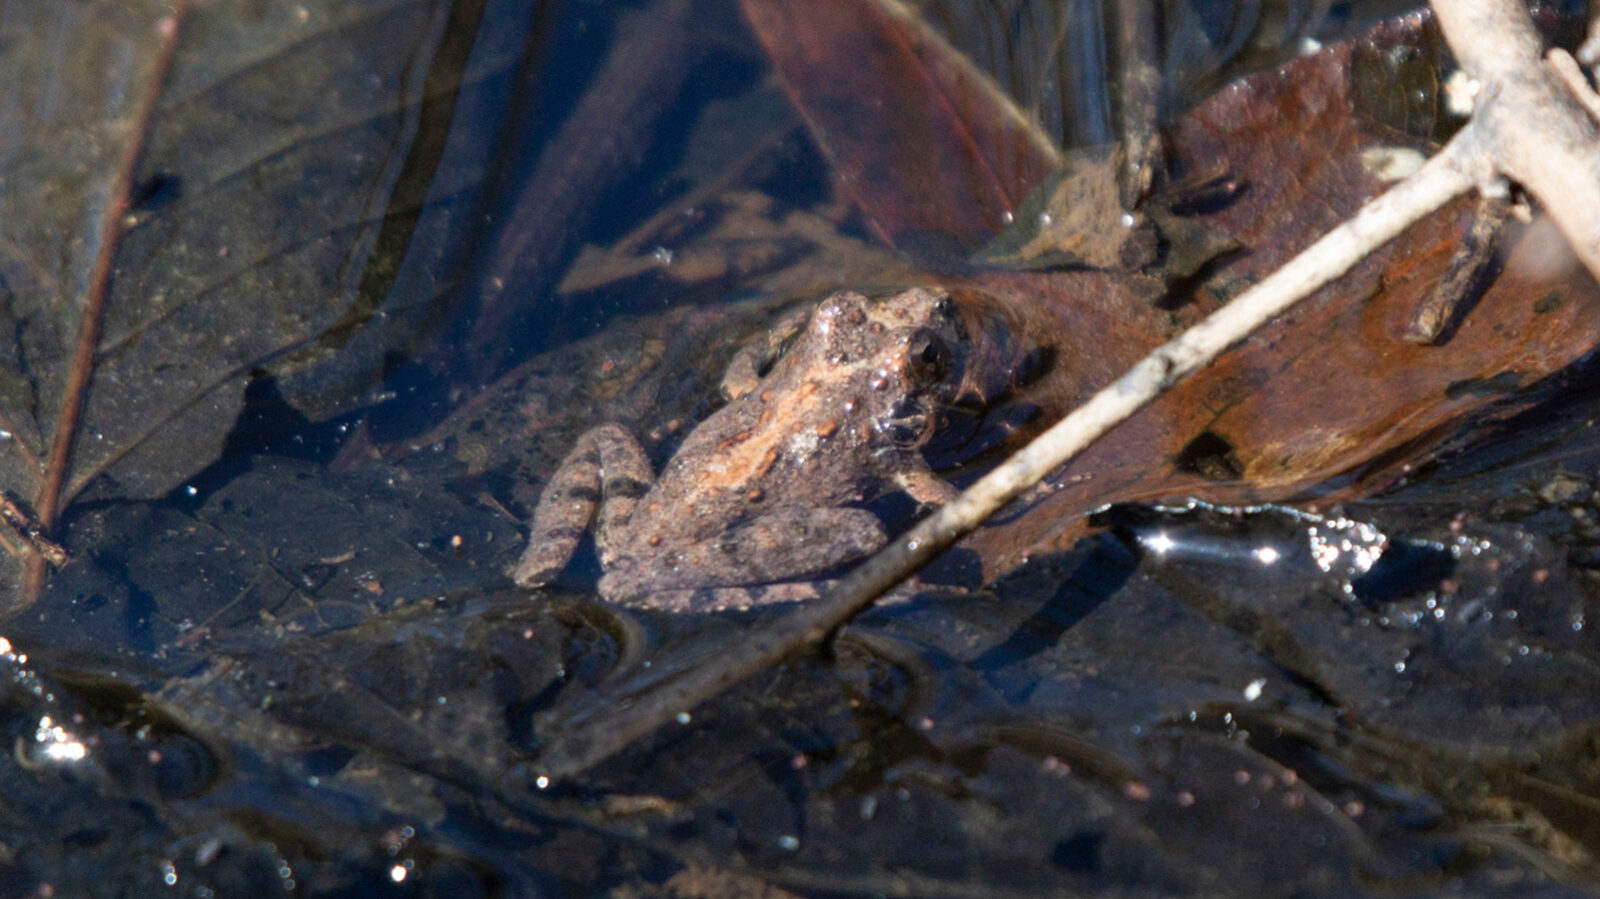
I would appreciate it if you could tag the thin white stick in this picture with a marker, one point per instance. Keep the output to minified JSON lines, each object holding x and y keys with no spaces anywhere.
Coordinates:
{"x":1572,"y":76}
{"x":1536,"y":131}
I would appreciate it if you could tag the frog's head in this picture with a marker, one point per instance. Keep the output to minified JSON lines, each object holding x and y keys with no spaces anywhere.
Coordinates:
{"x":983,"y":397}
{"x":899,"y":358}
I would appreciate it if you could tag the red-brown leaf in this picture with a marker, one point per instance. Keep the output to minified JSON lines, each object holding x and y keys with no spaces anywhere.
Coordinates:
{"x":920,"y":140}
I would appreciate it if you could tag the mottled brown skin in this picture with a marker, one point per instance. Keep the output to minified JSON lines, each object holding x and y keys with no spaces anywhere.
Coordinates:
{"x":758,"y":498}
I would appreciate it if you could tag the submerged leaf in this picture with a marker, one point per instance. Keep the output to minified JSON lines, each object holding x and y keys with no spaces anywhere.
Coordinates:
{"x":925,"y":143}
{"x":1075,"y":219}
{"x":291,"y":161}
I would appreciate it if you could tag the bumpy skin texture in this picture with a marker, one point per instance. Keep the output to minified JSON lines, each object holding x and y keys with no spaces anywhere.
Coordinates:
{"x":757,"y":499}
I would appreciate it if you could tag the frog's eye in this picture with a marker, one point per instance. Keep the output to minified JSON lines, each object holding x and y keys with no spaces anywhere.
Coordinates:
{"x":928,"y":357}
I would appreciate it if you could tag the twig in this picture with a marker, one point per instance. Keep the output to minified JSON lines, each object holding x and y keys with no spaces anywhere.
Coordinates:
{"x":1449,"y":302}
{"x":1535,"y":129}
{"x":1573,"y":77}
{"x":1139,"y":87}
{"x":1589,"y":50}
{"x":1454,"y":170}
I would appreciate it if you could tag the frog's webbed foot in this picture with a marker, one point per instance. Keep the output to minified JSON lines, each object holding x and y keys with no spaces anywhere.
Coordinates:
{"x":607,"y":470}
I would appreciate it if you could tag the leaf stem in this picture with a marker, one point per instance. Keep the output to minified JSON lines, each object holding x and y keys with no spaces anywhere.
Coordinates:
{"x":47,"y":504}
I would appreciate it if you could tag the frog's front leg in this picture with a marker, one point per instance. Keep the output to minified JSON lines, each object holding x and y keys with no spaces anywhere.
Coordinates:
{"x":747,"y":367}
{"x":927,"y":488}
{"x":766,"y":552}
{"x":607,"y":470}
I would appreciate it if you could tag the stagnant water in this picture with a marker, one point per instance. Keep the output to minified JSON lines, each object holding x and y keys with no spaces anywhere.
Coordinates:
{"x":303,"y":670}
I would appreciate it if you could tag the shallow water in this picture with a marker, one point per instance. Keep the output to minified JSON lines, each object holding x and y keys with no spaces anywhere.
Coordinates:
{"x":305,"y":673}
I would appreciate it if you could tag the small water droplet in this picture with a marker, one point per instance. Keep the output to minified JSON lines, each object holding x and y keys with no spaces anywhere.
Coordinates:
{"x":869,"y":807}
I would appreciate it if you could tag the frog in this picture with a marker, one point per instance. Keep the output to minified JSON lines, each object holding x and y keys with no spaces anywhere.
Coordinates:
{"x":766,"y":495}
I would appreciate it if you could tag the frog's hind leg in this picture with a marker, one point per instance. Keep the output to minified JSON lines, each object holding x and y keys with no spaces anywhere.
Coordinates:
{"x":607,"y":470}
{"x":742,"y":599}
{"x":762,"y":556}
{"x":730,"y":599}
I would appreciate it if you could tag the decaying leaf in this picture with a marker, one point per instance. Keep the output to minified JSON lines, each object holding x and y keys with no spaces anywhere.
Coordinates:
{"x":652,"y":52}
{"x":1075,"y":219}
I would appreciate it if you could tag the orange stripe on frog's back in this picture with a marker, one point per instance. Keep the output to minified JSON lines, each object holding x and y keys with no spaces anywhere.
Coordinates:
{"x":749,"y":455}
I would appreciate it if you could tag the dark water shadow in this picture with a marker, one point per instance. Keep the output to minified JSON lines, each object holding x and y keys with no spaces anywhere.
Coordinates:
{"x":1074,"y":584}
